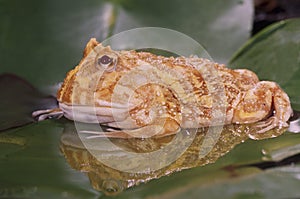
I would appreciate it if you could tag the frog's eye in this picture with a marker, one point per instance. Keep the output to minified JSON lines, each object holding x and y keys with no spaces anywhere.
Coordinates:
{"x":107,"y":62}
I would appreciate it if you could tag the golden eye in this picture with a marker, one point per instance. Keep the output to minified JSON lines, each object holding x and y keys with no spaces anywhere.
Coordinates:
{"x":107,"y":62}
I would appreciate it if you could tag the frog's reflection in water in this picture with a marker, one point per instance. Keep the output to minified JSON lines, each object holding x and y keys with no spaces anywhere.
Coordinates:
{"x":112,"y":181}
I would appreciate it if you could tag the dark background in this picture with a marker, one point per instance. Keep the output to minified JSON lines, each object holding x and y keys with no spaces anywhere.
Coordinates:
{"x":270,"y":11}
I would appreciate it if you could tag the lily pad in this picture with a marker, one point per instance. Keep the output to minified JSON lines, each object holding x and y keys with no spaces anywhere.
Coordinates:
{"x":274,"y":54}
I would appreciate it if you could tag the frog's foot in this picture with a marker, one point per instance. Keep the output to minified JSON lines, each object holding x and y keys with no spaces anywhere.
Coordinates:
{"x":41,"y":115}
{"x":266,"y":104}
{"x":282,"y":110}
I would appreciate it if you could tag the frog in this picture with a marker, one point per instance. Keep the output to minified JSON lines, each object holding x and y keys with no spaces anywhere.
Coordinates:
{"x":135,"y":93}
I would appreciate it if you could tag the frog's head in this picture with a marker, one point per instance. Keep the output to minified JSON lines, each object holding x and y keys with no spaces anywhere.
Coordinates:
{"x":102,"y":82}
{"x":98,"y":64}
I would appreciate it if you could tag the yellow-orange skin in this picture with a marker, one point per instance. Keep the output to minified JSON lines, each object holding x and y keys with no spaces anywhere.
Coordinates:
{"x":245,"y":98}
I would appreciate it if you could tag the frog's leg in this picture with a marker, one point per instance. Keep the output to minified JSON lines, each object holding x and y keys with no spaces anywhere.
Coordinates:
{"x":169,"y":127}
{"x":266,"y":104}
{"x":41,"y":115}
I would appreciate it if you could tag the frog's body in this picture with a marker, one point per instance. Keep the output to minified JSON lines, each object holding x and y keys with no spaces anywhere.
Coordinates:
{"x":142,"y":92}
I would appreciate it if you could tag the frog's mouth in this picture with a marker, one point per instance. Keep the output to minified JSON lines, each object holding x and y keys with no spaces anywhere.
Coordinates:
{"x":94,"y":114}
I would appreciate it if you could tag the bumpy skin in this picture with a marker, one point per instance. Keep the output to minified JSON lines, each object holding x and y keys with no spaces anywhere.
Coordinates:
{"x":142,"y":92}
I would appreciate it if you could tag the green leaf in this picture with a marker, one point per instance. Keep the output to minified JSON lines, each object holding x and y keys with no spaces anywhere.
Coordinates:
{"x":18,"y":100}
{"x":42,"y":40}
{"x":274,"y":54}
{"x":211,"y":23}
{"x":230,"y":177}
{"x":274,"y":183}
{"x":32,"y":166}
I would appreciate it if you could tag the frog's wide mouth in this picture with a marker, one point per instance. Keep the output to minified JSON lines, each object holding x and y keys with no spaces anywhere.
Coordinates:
{"x":94,"y":114}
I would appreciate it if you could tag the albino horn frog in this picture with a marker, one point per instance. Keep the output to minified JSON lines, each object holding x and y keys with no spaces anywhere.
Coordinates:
{"x":135,"y":93}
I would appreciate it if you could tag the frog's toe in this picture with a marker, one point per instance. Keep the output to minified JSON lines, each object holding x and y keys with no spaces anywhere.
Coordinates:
{"x":265,"y":125}
{"x":41,"y":115}
{"x":269,"y":124}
